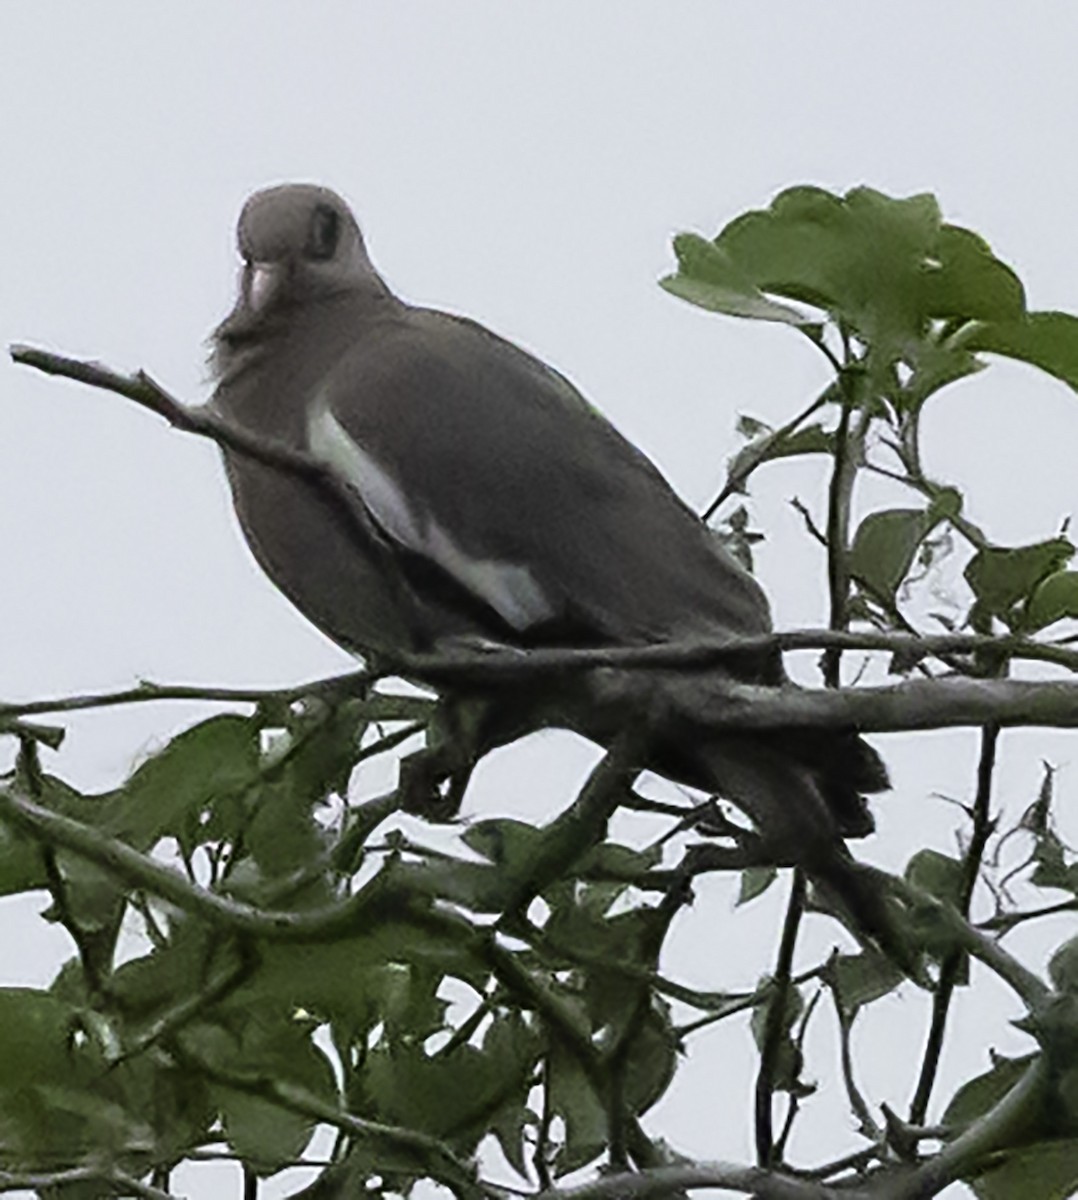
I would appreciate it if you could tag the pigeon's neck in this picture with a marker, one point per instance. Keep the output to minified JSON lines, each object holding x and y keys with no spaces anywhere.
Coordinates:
{"x":248,"y":343}
{"x":266,"y":368}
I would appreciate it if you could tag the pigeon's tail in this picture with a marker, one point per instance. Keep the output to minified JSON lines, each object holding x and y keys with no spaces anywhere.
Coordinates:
{"x":805,"y":792}
{"x":845,"y":769}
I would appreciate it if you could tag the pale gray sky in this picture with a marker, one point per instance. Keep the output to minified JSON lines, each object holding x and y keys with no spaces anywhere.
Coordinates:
{"x":526,"y":164}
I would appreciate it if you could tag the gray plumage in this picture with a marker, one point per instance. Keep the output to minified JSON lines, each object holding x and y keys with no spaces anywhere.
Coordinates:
{"x":502,"y":507}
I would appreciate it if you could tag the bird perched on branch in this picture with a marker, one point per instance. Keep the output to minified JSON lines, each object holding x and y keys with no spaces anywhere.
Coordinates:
{"x":495,"y":507}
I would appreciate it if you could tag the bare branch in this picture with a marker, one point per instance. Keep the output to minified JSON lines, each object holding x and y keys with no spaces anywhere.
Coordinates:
{"x":666,"y":1181}
{"x":917,"y":704}
{"x":119,"y":1182}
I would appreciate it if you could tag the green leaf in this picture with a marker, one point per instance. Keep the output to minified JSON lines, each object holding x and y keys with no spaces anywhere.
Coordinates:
{"x":970,"y":283}
{"x":614,"y":861}
{"x":934,"y":366}
{"x":171,"y":792}
{"x":1053,"y":869}
{"x":264,"y":1050}
{"x":508,"y":843}
{"x":652,"y":1061}
{"x":975,"y":1097}
{"x":387,"y":976}
{"x":512,"y":1043}
{"x":860,"y":979}
{"x":938,"y":874}
{"x":1054,"y":599}
{"x":1048,"y":340}
{"x":40,"y":1041}
{"x":1063,"y":967}
{"x":22,"y":868}
{"x":1043,"y":1171}
{"x":574,"y":1100}
{"x":1001,"y":577}
{"x":861,"y":256}
{"x":789,"y":1062}
{"x":754,"y":882}
{"x":941,"y":877}
{"x":812,"y":439}
{"x":886,"y":543}
{"x":707,"y":278}
{"x":887,"y":269}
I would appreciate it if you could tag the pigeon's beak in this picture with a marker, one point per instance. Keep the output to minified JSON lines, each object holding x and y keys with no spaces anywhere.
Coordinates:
{"x":260,"y":284}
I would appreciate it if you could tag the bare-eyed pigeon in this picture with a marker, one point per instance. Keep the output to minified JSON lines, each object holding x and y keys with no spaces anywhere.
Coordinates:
{"x":500,"y":509}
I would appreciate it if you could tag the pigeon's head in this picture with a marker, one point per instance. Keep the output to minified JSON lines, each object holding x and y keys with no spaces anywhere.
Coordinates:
{"x":299,"y":242}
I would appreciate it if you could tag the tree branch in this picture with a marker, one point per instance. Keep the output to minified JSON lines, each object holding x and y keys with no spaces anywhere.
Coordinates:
{"x":117,"y":1181}
{"x":917,"y":704}
{"x":993,"y":1131}
{"x":376,"y":899}
{"x":666,"y":1181}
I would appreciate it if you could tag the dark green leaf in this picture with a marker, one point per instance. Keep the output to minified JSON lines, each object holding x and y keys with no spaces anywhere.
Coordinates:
{"x":22,"y":868}
{"x":1063,"y":967}
{"x":974,"y":1098}
{"x":574,"y":1100}
{"x":1055,"y":598}
{"x":452,"y":1095}
{"x":860,"y":979}
{"x":1053,"y":869}
{"x":614,"y":861}
{"x":1002,"y":577}
{"x":886,"y":543}
{"x":264,"y":1050}
{"x":652,"y":1060}
{"x":511,"y":1041}
{"x":970,"y":282}
{"x":938,"y":874}
{"x":388,"y":976}
{"x":172,"y":792}
{"x":1048,"y":340}
{"x":507,"y":843}
{"x":1043,"y":1171}
{"x":754,"y":882}
{"x":40,"y":1041}
{"x":788,"y":1063}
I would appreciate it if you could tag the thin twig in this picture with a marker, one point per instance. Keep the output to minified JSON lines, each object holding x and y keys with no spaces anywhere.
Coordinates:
{"x":735,"y":481}
{"x":438,"y":1159}
{"x":1027,"y":985}
{"x":1005,"y":922}
{"x":867,"y":1124}
{"x":951,"y":966}
{"x":775,"y":1027}
{"x":743,"y":1003}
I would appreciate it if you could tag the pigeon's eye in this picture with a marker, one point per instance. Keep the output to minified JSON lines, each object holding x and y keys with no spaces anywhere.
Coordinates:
{"x":325,"y":232}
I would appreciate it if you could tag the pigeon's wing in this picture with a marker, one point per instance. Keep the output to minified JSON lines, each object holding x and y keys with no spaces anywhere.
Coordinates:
{"x":478,"y":460}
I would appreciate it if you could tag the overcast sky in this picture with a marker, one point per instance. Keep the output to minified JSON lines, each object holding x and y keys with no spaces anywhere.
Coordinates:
{"x":526,"y":164}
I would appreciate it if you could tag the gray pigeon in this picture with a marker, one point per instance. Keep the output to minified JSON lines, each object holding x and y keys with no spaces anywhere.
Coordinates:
{"x":498,"y":509}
